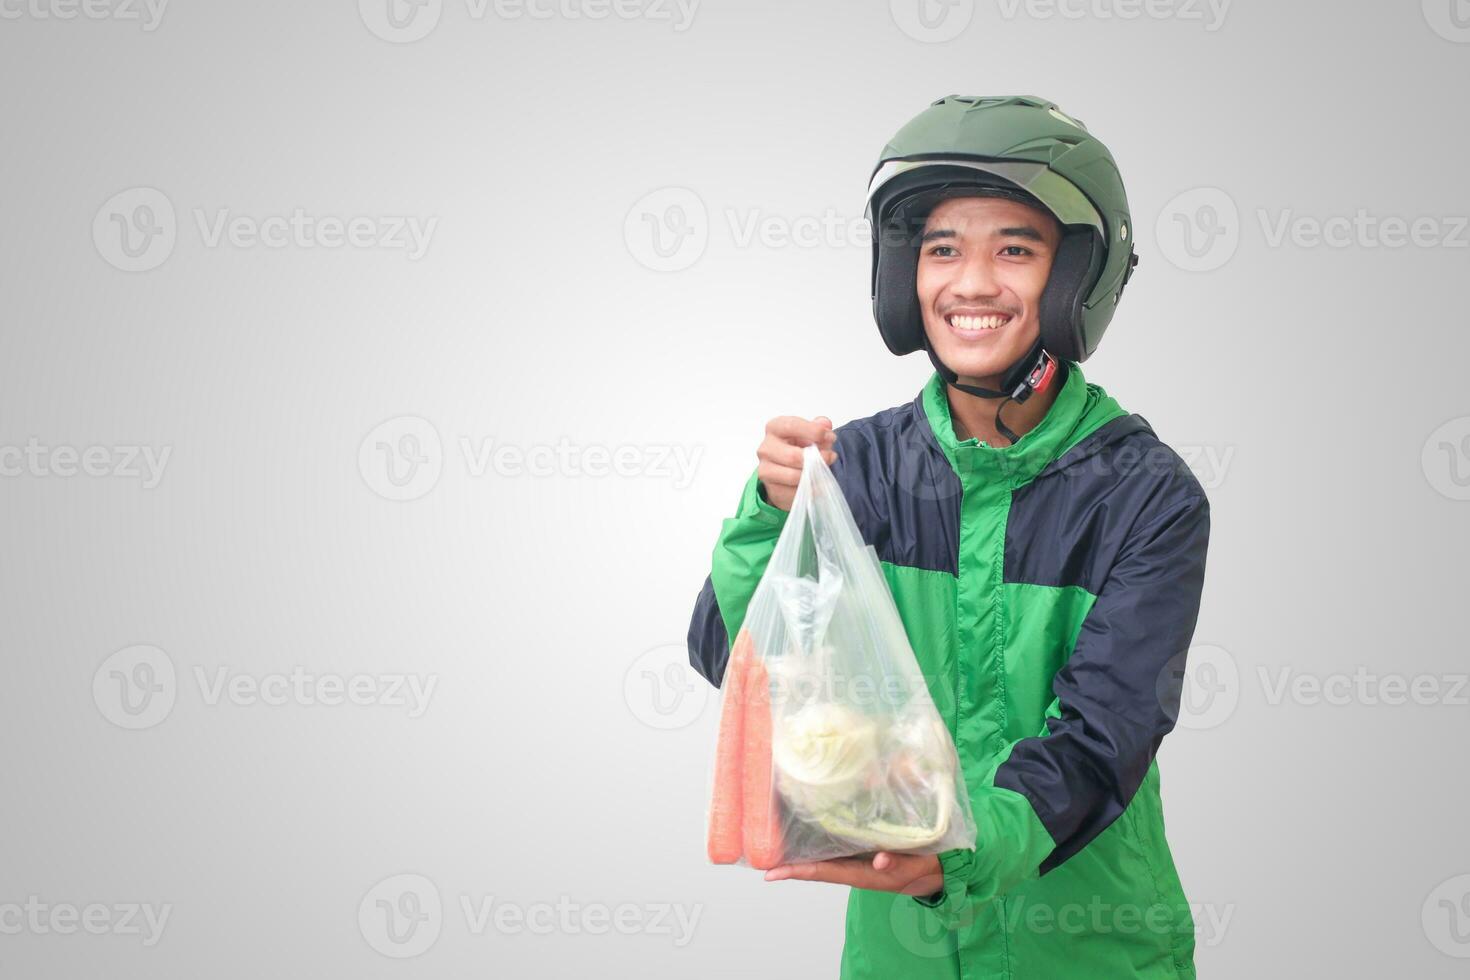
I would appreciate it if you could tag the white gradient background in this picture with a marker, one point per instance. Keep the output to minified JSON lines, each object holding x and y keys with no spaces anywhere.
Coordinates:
{"x":538,"y":603}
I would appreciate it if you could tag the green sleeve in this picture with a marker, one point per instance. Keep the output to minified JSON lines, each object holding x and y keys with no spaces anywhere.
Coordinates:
{"x":1010,"y":845}
{"x":742,"y":553}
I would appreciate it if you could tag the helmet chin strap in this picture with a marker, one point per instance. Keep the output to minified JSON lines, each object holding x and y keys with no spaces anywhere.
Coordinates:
{"x":1032,"y":372}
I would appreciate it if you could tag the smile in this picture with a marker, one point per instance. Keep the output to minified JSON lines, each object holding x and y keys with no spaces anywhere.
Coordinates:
{"x":973,"y":325}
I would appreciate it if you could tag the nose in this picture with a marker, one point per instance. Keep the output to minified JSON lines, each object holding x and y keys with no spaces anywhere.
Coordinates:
{"x":976,"y":279}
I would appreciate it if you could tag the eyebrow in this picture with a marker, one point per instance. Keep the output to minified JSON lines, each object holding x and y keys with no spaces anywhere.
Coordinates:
{"x":1020,"y":231}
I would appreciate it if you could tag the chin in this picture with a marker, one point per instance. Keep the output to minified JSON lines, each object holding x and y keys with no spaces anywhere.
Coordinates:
{"x":982,"y":359}
{"x":969,"y":364}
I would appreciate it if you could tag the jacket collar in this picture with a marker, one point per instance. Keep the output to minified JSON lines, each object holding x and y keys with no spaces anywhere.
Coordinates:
{"x":1079,"y":409}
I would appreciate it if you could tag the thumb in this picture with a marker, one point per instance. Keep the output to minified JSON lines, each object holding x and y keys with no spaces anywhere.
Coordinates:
{"x":823,"y":418}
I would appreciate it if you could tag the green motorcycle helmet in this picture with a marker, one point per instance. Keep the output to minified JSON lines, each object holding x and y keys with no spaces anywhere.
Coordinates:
{"x":1018,"y":147}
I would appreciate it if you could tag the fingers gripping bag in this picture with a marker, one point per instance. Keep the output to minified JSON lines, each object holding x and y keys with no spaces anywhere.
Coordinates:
{"x":829,"y":743}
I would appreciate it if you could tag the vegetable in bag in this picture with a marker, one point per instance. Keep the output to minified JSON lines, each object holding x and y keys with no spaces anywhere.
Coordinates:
{"x":829,"y":743}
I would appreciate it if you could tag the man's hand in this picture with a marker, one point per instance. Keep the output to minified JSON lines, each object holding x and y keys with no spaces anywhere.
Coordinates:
{"x":780,"y":454}
{"x":907,"y":874}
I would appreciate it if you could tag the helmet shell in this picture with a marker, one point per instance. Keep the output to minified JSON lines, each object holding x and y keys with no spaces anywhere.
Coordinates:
{"x":1021,"y":147}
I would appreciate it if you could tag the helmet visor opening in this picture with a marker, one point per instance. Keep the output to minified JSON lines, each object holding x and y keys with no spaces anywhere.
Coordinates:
{"x":896,"y":181}
{"x":907,"y":218}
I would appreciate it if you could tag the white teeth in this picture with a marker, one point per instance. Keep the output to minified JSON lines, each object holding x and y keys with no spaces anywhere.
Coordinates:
{"x":988,"y":322}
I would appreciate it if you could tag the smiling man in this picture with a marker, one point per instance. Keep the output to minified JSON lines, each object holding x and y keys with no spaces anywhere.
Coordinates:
{"x":1045,"y":550}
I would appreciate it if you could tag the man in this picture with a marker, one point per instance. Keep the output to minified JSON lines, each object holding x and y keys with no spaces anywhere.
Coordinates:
{"x":1045,"y":551}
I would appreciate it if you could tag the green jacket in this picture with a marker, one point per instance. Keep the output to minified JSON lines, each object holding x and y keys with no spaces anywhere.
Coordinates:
{"x":1050,"y":590}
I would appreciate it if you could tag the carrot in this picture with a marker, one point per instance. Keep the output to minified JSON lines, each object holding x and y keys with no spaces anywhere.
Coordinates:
{"x":761,"y":821}
{"x":724,"y":814}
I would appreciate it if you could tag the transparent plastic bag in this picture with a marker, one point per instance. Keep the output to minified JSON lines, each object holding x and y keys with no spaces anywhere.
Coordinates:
{"x":829,"y":743}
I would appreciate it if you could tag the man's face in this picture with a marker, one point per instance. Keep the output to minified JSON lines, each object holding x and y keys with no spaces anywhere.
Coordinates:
{"x":983,"y":263}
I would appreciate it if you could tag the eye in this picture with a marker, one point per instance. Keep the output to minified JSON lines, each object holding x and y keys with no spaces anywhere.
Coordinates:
{"x":1016,"y":250}
{"x":943,"y":251}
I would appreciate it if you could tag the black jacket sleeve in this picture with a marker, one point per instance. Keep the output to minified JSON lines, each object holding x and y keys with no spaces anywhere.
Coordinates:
{"x":1118,"y":694}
